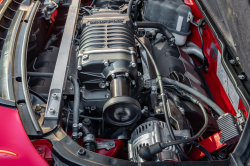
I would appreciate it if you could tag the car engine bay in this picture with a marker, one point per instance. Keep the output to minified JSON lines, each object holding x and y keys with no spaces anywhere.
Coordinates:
{"x":125,"y":79}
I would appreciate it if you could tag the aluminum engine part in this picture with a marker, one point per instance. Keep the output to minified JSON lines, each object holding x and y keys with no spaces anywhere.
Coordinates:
{"x":150,"y":133}
{"x":107,"y":63}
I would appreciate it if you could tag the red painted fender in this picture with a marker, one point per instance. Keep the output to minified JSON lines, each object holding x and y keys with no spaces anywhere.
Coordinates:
{"x":15,"y":145}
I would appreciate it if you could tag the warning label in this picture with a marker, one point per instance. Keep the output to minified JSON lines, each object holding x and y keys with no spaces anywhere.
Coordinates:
{"x":227,"y":84}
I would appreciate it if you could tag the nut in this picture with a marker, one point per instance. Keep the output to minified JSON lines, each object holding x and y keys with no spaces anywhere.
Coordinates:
{"x":38,"y":107}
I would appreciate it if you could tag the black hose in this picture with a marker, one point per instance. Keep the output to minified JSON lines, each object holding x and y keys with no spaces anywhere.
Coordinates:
{"x":205,"y":62}
{"x":204,"y":150}
{"x":130,"y":7}
{"x":52,"y":39}
{"x":76,"y":108}
{"x":209,"y":102}
{"x":92,"y":118}
{"x":164,"y":30}
{"x":136,"y":10}
{"x":86,"y":10}
{"x":38,"y":74}
{"x":163,"y":98}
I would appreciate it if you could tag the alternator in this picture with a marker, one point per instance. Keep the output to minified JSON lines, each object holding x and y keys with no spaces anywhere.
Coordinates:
{"x":150,"y":133}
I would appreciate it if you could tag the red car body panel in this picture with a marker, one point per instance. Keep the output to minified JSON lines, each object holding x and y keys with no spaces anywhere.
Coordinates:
{"x":15,"y":145}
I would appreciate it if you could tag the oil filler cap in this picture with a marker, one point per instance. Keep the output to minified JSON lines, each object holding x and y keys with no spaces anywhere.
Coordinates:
{"x":121,"y":111}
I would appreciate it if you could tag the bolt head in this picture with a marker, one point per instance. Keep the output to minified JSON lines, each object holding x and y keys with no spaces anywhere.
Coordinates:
{"x":54,"y":96}
{"x":159,"y":97}
{"x":102,"y":85}
{"x":139,"y":73}
{"x":241,"y":77}
{"x":81,"y":152}
{"x":83,"y":88}
{"x":133,"y":82}
{"x":113,"y":75}
{"x":107,"y":83}
{"x":52,"y":110}
{"x":126,"y":74}
{"x":106,"y":63}
{"x":133,"y":64}
{"x":79,"y":67}
{"x":107,"y":96}
{"x":160,"y":104}
{"x":84,"y":57}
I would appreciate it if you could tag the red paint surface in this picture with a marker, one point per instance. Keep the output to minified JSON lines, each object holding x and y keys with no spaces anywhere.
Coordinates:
{"x":15,"y":146}
{"x":211,"y":143}
{"x":44,"y":148}
{"x":117,"y":151}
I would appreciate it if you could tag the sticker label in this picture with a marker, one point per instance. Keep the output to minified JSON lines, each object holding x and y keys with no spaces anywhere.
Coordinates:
{"x":233,"y":95}
{"x":221,"y":73}
{"x":227,"y":84}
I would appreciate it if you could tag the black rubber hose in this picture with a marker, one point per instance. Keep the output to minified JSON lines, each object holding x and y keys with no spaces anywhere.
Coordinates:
{"x":164,"y":30}
{"x":85,"y":131}
{"x":163,"y":98}
{"x":38,"y":74}
{"x":52,"y":39}
{"x":92,"y":118}
{"x":205,"y":62}
{"x":209,"y":102}
{"x":130,"y":7}
{"x":136,"y":10}
{"x":147,"y":152}
{"x":76,"y":107}
{"x":204,"y":150}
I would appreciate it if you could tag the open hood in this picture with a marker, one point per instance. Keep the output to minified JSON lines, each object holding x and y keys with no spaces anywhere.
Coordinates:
{"x":231,"y":17}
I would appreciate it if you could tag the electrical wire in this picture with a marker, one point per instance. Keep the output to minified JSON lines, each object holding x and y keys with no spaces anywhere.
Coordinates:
{"x":159,"y":79}
{"x":86,"y":10}
{"x":204,"y":64}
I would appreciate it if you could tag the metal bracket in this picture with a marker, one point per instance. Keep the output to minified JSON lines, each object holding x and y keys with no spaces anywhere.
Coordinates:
{"x":59,"y":75}
{"x":106,"y":144}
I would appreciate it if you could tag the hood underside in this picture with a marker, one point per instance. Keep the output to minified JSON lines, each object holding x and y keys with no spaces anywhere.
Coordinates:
{"x":232,"y":19}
